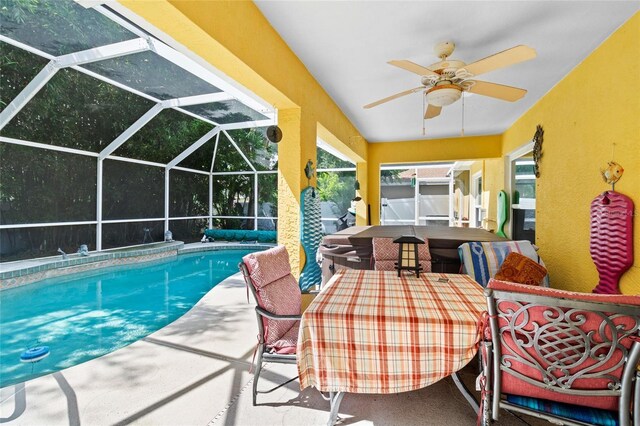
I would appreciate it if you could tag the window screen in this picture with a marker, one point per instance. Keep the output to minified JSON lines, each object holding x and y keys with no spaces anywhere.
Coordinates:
{"x":38,"y":185}
{"x":188,"y":194}
{"x":132,"y":191}
{"x":131,"y":233}
{"x":27,"y":243}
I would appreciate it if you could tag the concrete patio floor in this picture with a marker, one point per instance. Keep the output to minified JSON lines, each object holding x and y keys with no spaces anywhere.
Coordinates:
{"x":195,"y":371}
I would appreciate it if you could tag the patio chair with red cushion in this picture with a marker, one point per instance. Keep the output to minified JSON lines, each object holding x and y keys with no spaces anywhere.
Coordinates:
{"x":570,"y":358}
{"x":278,"y":301}
{"x":385,"y":255}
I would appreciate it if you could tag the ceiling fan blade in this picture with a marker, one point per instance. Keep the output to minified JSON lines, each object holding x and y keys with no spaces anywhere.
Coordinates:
{"x":412,"y":67}
{"x":502,"y":59}
{"x":392,"y":97}
{"x":432,"y":111}
{"x":498,"y":91}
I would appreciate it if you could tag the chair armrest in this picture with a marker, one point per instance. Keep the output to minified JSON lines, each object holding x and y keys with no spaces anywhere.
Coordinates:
{"x":267,"y":314}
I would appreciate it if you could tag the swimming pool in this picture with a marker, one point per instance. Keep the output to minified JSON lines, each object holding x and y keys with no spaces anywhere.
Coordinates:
{"x":84,"y":316}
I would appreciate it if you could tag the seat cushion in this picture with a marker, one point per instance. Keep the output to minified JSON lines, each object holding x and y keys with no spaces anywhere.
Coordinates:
{"x":558,"y":347}
{"x":520,"y":269}
{"x":583,"y":414}
{"x":386,"y":249}
{"x":276,"y":289}
{"x":621,"y":299}
{"x":282,"y":297}
{"x":287,"y":343}
{"x":267,"y":266}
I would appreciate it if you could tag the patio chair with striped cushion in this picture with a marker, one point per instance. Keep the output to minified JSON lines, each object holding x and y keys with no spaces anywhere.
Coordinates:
{"x":482,"y":260}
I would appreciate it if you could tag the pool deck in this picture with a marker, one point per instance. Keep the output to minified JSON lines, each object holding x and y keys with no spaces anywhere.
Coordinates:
{"x":195,"y":371}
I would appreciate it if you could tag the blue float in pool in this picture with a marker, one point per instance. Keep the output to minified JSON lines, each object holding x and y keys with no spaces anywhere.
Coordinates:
{"x":35,"y":354}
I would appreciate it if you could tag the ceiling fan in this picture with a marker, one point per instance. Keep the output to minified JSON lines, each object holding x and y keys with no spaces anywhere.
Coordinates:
{"x":444,"y":81}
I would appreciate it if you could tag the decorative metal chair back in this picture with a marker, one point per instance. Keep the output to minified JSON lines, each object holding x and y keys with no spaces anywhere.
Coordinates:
{"x":408,"y":258}
{"x":573,"y":348}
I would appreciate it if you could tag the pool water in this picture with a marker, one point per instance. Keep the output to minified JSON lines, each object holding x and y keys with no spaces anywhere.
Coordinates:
{"x":84,"y":316}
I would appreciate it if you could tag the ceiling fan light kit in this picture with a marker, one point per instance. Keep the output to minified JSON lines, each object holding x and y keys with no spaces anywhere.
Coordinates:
{"x":444,"y":82}
{"x":443,"y":95}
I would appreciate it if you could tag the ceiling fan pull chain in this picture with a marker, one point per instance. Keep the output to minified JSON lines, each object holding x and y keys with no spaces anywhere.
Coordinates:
{"x":424,"y":106}
{"x":462,"y":130}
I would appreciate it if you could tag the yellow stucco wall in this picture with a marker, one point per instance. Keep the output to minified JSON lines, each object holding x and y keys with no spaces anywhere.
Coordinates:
{"x":291,"y":151}
{"x":476,"y":166}
{"x":468,"y":148}
{"x":492,"y":183}
{"x":582,"y":116}
{"x":236,"y":39}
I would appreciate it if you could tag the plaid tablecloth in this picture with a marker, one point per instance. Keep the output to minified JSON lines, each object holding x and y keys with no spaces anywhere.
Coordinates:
{"x":372,"y":332}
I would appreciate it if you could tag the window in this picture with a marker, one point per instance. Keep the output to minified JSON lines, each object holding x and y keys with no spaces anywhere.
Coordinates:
{"x":420,"y":195}
{"x":477,"y":213}
{"x":336,"y":186}
{"x":522,"y":181}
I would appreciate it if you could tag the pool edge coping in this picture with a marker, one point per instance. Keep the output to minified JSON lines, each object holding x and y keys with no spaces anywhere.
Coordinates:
{"x":53,"y":267}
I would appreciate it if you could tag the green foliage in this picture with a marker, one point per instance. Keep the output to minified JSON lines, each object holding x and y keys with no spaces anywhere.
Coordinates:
{"x":189,"y":230}
{"x":132,"y":191}
{"x":130,"y":233}
{"x":17,"y":10}
{"x":45,"y":186}
{"x":329,"y":185}
{"x":152,"y":74}
{"x":233,"y":195}
{"x":268,"y":193}
{"x":188,"y":194}
{"x":17,"y":69}
{"x":228,"y":159}
{"x":77,"y":111}
{"x":390,"y":174}
{"x":254,"y":144}
{"x":337,"y":187}
{"x":58,"y":27}
{"x":330,"y":161}
{"x":165,"y":137}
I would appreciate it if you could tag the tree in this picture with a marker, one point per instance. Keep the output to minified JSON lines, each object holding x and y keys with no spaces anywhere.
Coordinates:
{"x":75,"y":110}
{"x":337,"y":187}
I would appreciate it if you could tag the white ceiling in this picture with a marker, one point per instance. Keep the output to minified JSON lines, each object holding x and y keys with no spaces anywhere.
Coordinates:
{"x":345,"y":45}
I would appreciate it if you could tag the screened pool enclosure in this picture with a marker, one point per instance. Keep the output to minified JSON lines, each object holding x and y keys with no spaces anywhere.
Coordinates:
{"x":109,"y":137}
